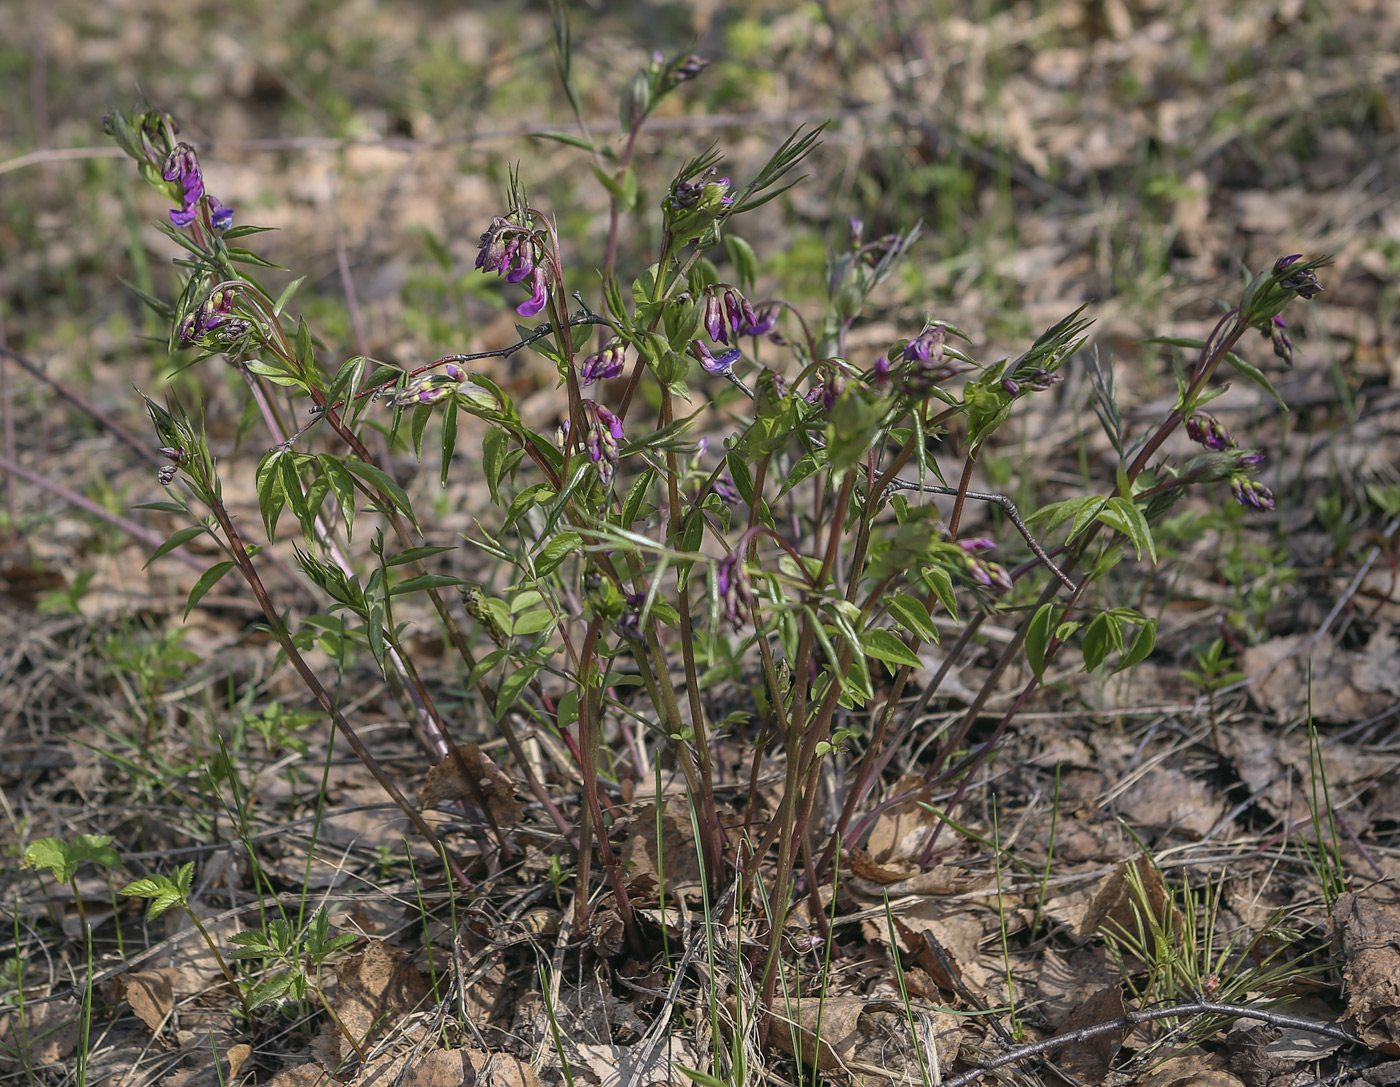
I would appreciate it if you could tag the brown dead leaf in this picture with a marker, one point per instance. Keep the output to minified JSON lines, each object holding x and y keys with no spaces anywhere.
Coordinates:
{"x":795,"y":1032}
{"x":457,"y":1068}
{"x":899,"y":831}
{"x":150,"y":995}
{"x":374,"y":990}
{"x":1062,"y":980}
{"x":303,"y":1075}
{"x":472,"y":778}
{"x":876,"y":881}
{"x":209,"y":1073}
{"x":619,"y":1065}
{"x":1366,"y":936}
{"x":679,"y":863}
{"x":955,"y":930}
{"x":1112,"y":907}
{"x":1345,"y":685}
{"x":1191,"y":1070}
{"x":47,"y":1035}
{"x":1090,"y":1061}
{"x":1171,"y":800}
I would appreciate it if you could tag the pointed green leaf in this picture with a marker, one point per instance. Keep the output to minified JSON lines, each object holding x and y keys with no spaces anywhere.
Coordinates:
{"x":207,"y":581}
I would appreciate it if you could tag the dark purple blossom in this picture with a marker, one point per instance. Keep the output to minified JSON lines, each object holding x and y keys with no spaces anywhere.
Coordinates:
{"x":539,"y":291}
{"x":724,"y":487}
{"x":1252,"y":494}
{"x":1302,"y":282}
{"x":689,"y":67}
{"x":629,"y":623}
{"x":880,"y":374}
{"x":759,"y":322}
{"x":927,"y":345}
{"x":734,"y":588}
{"x":603,"y":430}
{"x":605,"y":364}
{"x":220,"y":217}
{"x":713,"y":319}
{"x":214,"y":321}
{"x":713,"y":364}
{"x":1276,"y":330}
{"x":182,"y":169}
{"x":1042,"y":379}
{"x":1205,"y":429}
{"x":974,"y":544}
{"x":1248,"y":458}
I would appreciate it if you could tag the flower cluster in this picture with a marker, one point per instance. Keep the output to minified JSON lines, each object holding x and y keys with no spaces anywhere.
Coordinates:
{"x":213,"y":324}
{"x":182,"y":170}
{"x":514,"y":252}
{"x":989,"y":575}
{"x":917,"y":366}
{"x":731,"y":314}
{"x":430,"y":388}
{"x":693,"y":206}
{"x":1205,"y":429}
{"x":735,"y":589}
{"x":602,"y":432}
{"x":605,"y":364}
{"x":1276,"y":331}
{"x":1301,"y":281}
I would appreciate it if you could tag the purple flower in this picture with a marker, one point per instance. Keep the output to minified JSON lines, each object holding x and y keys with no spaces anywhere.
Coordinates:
{"x":629,"y":623}
{"x":1303,"y":282}
{"x":1011,"y":385}
{"x":734,"y":588}
{"x":1276,"y":330}
{"x":215,"y":315}
{"x":1249,"y":493}
{"x":928,"y":344}
{"x":220,"y":217}
{"x":880,"y":374}
{"x":713,"y":320}
{"x":724,"y":487}
{"x":689,"y":67}
{"x":182,"y":169}
{"x":539,"y":291}
{"x":974,"y":544}
{"x":733,"y":313}
{"x":1248,"y":458}
{"x":1205,"y":429}
{"x":1042,"y":379}
{"x":605,"y":364}
{"x":603,"y":430}
{"x":759,"y":322}
{"x":713,"y":364}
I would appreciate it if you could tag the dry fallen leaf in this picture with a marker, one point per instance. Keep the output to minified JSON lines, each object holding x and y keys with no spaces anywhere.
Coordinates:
{"x":1090,"y":1061}
{"x":795,"y":1030}
{"x":1116,"y":903}
{"x":1366,"y":936}
{"x":679,"y":863}
{"x":374,"y":990}
{"x":48,"y":1034}
{"x":452,"y":779}
{"x":150,"y":995}
{"x":1191,"y":1070}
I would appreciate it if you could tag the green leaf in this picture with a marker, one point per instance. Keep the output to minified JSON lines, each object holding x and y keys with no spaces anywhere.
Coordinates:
{"x":512,"y":686}
{"x":941,"y":582}
{"x":418,"y":426}
{"x":911,"y":614}
{"x":272,"y":499}
{"x":1255,"y":375}
{"x":414,"y":554}
{"x":380,"y":480}
{"x":1104,"y":635}
{"x":1123,"y":515}
{"x":885,"y":646}
{"x":269,"y":990}
{"x":449,"y":438}
{"x":1038,"y":638}
{"x":493,"y":460}
{"x":50,"y":853}
{"x":532,"y":622}
{"x":552,"y":556}
{"x":342,"y":486}
{"x":207,"y":581}
{"x":744,"y":259}
{"x":426,"y":581}
{"x":182,"y":536}
{"x":1143,"y":643}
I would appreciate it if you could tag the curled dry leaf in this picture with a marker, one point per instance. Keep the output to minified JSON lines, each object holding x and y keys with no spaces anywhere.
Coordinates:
{"x":679,"y":863}
{"x":1116,"y":902}
{"x":150,"y":994}
{"x":374,"y":990}
{"x":876,"y":881}
{"x":1366,"y":936}
{"x":460,"y":778}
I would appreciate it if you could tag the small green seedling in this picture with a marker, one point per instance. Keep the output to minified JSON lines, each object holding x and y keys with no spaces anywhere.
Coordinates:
{"x":164,"y":892}
{"x":63,"y":859}
{"x":299,"y":958}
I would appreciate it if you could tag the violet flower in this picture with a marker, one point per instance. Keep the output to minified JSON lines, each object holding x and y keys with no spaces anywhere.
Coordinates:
{"x":759,"y":322}
{"x":1303,"y":282}
{"x":1252,"y":494}
{"x":182,"y":169}
{"x":1205,"y":429}
{"x":1277,"y":332}
{"x":735,"y":589}
{"x":603,"y":430}
{"x":539,"y":291}
{"x":713,"y":364}
{"x":605,"y":364}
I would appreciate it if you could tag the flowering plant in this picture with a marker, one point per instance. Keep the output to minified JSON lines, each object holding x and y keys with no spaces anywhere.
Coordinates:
{"x":766,"y":586}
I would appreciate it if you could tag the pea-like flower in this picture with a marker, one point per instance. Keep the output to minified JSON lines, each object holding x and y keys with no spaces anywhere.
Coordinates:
{"x":713,"y":364}
{"x":539,"y":291}
{"x":1251,"y":493}
{"x":182,"y":170}
{"x":602,"y":432}
{"x":213,"y":324}
{"x":1276,"y":331}
{"x":1302,"y":282}
{"x":1205,"y":429}
{"x":734,"y":588}
{"x":605,"y":364}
